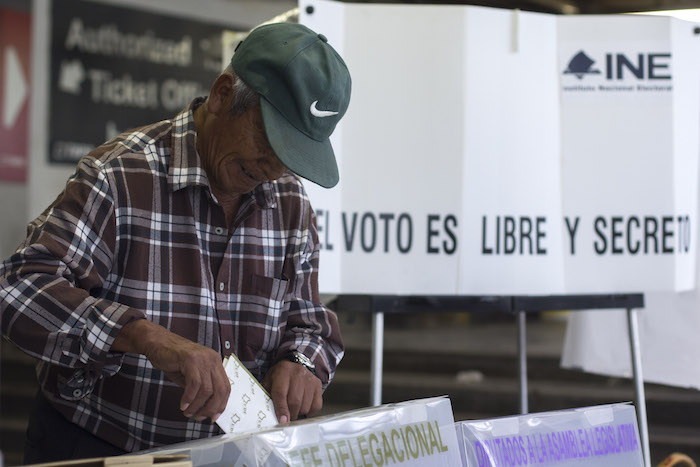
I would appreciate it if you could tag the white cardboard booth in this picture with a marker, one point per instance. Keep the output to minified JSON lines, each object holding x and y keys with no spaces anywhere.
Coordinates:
{"x":490,"y":151}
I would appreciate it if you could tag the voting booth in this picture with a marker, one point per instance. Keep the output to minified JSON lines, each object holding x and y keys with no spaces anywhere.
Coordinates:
{"x":490,"y":151}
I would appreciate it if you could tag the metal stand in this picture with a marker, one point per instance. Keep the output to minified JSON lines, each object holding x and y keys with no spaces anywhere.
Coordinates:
{"x":522,"y":360}
{"x":582,"y":302}
{"x":521,"y":304}
{"x":640,"y":400}
{"x":377,"y":358}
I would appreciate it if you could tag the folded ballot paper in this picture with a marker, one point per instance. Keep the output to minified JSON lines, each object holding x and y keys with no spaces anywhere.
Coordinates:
{"x":249,"y":406}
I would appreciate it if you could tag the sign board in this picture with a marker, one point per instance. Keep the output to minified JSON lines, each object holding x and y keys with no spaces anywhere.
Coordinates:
{"x":116,"y":68}
{"x":594,"y":436}
{"x":15,"y":34}
{"x":629,"y":89}
{"x":413,"y":433}
{"x":471,"y":165}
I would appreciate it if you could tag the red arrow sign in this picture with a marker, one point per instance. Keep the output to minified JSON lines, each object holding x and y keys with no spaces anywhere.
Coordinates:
{"x":15,"y":36}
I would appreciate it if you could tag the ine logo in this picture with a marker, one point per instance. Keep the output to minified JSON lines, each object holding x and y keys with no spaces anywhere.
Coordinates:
{"x":581,"y":65}
{"x":620,"y":66}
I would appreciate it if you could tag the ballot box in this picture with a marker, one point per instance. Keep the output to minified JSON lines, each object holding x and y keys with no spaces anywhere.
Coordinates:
{"x":598,"y":436}
{"x":413,"y":433}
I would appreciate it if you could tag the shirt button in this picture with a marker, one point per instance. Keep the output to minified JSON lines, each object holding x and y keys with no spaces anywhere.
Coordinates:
{"x":77,"y":393}
{"x":227,"y":344}
{"x":219,"y":230}
{"x":221,"y":286}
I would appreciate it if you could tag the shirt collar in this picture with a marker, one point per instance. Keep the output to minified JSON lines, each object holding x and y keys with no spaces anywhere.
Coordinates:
{"x":185,"y":166}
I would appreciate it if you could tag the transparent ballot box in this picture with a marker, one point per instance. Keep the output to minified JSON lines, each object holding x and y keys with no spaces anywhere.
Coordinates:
{"x":598,"y":436}
{"x":414,"y":433}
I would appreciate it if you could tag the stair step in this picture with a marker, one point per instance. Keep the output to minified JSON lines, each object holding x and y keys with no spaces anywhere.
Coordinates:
{"x":17,"y":398}
{"x":12,"y":458}
{"x":497,"y":395}
{"x":13,"y":424}
{"x":689,"y":436}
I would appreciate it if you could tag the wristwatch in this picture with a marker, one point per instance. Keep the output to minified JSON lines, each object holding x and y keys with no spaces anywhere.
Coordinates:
{"x":301,"y":359}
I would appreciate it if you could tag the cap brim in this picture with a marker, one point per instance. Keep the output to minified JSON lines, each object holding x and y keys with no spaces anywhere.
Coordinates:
{"x":306,"y":157}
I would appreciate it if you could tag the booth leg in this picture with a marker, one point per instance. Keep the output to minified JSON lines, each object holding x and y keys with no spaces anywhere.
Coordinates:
{"x":640,"y":401}
{"x":522,"y":360}
{"x":377,"y":358}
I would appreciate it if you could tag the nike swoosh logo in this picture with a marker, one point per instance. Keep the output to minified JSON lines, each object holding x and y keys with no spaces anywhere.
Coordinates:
{"x":320,"y":113}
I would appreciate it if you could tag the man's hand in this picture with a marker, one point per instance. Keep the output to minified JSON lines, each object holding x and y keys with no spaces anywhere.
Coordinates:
{"x":196,"y":368}
{"x":294,"y":390}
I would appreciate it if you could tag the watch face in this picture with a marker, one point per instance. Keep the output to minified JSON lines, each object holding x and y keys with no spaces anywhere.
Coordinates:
{"x":303,"y":360}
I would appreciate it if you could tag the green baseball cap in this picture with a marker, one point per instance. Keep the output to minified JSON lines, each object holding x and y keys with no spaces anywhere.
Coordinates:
{"x":304,"y":88}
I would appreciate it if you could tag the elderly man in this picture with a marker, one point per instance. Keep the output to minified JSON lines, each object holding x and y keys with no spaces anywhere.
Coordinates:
{"x":177,"y":244}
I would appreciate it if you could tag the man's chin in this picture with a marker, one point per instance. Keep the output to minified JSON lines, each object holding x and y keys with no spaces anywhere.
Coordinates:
{"x":243,"y":189}
{"x":231,"y":189}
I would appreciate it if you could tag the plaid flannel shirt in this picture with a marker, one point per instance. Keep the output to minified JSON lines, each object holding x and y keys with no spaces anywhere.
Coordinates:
{"x":138,"y":234}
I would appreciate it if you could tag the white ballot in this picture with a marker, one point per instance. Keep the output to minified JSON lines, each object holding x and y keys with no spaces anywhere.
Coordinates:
{"x":249,"y":406}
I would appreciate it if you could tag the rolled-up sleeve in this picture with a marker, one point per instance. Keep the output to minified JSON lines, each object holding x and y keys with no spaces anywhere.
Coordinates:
{"x":50,"y":302}
{"x":312,"y":328}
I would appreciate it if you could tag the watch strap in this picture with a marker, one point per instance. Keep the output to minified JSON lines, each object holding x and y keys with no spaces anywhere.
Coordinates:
{"x":301,"y":359}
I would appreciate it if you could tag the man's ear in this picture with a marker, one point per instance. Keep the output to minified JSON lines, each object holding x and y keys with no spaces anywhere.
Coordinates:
{"x":221,"y":94}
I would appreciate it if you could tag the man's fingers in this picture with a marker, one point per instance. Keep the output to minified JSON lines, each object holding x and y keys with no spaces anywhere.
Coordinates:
{"x":317,"y":402}
{"x":216,"y":404}
{"x":202,"y":397}
{"x":305,"y":405}
{"x":193,"y":382}
{"x":197,"y":369}
{"x":295,"y":402}
{"x":279,"y":389}
{"x":267,"y":383}
{"x":313,"y":396}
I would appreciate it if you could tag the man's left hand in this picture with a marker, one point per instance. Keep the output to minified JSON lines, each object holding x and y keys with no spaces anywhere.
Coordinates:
{"x":294,"y":390}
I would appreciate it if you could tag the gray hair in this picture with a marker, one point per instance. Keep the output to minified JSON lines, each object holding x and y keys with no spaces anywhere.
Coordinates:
{"x":244,"y":97}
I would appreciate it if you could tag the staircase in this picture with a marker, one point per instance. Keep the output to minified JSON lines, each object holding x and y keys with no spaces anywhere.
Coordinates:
{"x":475,"y":363}
{"x":473,"y":359}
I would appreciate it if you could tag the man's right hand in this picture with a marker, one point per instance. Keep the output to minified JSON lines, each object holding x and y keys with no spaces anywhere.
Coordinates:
{"x":197,"y":369}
